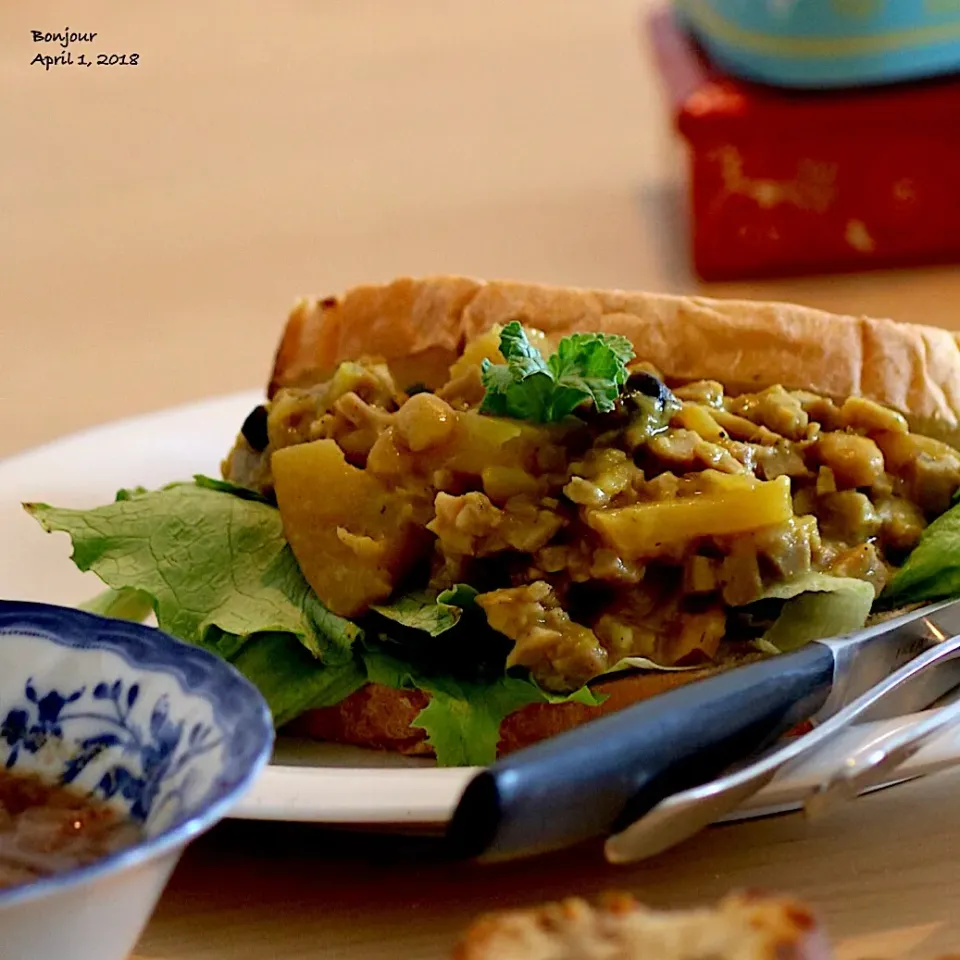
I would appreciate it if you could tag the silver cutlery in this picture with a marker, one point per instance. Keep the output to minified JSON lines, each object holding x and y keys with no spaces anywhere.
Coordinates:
{"x":914,"y":686}
{"x":651,"y":774}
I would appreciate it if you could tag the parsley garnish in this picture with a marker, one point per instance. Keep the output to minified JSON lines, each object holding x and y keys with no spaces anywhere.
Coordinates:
{"x":586,"y":367}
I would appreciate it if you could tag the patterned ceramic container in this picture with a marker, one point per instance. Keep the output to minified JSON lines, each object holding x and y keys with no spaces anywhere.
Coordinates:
{"x":169,"y":734}
{"x":823,"y":44}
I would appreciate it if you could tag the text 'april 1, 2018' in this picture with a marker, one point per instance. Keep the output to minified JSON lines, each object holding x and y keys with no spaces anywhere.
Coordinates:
{"x":62,"y":48}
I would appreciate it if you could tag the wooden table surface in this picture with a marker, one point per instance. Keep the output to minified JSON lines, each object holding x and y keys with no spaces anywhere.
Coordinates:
{"x":156,"y":222}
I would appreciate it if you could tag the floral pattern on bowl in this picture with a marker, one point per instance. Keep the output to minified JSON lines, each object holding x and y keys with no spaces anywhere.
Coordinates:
{"x":168,"y":734}
{"x":152,"y":754}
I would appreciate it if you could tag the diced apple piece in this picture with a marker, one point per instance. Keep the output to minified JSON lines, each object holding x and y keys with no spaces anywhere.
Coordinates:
{"x":472,"y":443}
{"x":694,"y":416}
{"x":485,"y":441}
{"x":484,"y":347}
{"x":902,"y":449}
{"x":651,"y":529}
{"x":501,"y":483}
{"x":352,"y":537}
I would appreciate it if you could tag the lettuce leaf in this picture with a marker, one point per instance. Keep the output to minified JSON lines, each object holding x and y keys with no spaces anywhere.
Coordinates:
{"x":932,"y":571}
{"x":207,"y":559}
{"x":123,"y":604}
{"x":462,"y":720}
{"x":423,"y":610}
{"x":817,"y":606}
{"x":460,"y":595}
{"x":213,"y":565}
{"x":227,"y":486}
{"x":290,"y":679}
{"x":642,"y":663}
{"x":586,"y":367}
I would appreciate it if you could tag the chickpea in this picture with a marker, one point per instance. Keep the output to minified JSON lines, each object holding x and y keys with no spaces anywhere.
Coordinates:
{"x":425,"y":421}
{"x":859,"y":413}
{"x":903,"y":522}
{"x":855,"y":461}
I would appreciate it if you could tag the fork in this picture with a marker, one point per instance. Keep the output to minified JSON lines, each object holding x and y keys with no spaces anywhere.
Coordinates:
{"x":923,"y":680}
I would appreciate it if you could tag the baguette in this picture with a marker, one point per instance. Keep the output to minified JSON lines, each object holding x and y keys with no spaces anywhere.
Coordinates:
{"x":420,"y":326}
{"x":742,"y":926}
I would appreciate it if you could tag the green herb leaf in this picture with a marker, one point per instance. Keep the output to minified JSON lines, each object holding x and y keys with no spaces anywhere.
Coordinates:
{"x":932,"y":571}
{"x":586,"y":367}
{"x":592,"y":365}
{"x":206,"y":559}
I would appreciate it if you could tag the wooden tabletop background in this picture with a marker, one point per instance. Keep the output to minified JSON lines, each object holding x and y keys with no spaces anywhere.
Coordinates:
{"x":157,"y":221}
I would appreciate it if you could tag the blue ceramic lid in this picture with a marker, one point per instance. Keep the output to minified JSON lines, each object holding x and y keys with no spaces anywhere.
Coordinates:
{"x":823,"y":44}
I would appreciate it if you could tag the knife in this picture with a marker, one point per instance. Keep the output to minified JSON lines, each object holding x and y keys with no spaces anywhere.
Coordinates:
{"x":602,"y":776}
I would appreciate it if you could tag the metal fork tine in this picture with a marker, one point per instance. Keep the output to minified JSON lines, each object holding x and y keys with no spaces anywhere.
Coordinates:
{"x":689,"y":811}
{"x":877,"y":762}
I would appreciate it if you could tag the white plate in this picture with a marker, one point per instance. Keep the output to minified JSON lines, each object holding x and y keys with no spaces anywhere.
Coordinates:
{"x":306,"y":781}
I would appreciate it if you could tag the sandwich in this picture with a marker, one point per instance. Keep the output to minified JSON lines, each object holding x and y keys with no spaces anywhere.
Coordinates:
{"x":744,"y":925}
{"x":471,"y":515}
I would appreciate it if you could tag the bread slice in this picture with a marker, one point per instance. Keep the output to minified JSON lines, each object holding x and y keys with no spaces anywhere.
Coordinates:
{"x":742,"y":926}
{"x":420,"y":325}
{"x":381,"y":717}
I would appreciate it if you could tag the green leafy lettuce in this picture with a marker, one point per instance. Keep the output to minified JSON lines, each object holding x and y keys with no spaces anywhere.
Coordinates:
{"x":210,"y":560}
{"x":817,"y":606}
{"x":432,"y":613}
{"x":123,"y":604}
{"x":215,"y":569}
{"x":207,"y":559}
{"x":932,"y":571}
{"x":586,"y":367}
{"x":291,"y":680}
{"x":645,"y":663}
{"x":462,"y":720}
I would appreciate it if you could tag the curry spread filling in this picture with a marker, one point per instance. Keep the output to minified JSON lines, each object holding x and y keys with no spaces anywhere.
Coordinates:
{"x":644,"y":531}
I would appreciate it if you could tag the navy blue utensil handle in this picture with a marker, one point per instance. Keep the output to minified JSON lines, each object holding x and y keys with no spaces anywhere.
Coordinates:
{"x":602,"y":776}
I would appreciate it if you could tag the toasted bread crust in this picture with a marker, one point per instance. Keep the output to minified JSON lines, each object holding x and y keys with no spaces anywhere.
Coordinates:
{"x":744,"y":344}
{"x":742,"y":926}
{"x":380,"y":717}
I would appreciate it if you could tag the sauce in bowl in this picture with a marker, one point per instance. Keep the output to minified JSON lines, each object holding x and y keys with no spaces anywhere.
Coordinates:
{"x":47,"y":829}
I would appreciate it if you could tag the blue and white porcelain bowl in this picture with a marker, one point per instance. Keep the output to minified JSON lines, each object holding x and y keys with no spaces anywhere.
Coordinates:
{"x":168,"y":734}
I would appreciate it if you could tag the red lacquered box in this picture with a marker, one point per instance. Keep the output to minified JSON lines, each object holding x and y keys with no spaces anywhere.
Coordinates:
{"x":784,"y":182}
